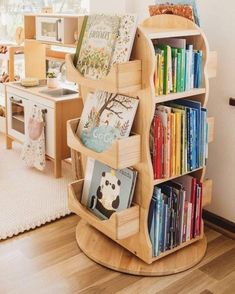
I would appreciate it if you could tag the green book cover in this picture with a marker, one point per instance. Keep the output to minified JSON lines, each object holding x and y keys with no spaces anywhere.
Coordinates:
{"x":183,"y":69}
{"x":98,"y":45}
{"x":174,"y":68}
{"x":79,"y":44}
{"x":178,"y":73}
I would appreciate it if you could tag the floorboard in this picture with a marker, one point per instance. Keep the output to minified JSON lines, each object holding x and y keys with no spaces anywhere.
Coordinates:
{"x":48,"y":260}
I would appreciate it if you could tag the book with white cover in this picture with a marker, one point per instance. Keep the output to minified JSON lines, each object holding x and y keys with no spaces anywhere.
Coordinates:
{"x":125,"y":39}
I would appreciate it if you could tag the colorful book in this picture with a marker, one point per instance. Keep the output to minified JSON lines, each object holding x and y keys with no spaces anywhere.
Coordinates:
{"x":174,"y":69}
{"x":106,"y":190}
{"x":106,"y":117}
{"x":97,"y":45}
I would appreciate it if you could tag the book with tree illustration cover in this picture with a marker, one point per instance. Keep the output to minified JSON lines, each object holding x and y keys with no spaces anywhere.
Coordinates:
{"x":106,"y":117}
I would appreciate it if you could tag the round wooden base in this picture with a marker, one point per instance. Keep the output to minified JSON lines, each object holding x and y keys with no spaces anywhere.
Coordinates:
{"x":108,"y":253}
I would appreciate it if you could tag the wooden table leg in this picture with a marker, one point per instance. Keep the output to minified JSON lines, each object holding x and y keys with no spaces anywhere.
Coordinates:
{"x":8,"y":142}
{"x":58,"y":168}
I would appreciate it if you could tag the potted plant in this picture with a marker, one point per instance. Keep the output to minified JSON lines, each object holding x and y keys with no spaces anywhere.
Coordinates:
{"x":52,"y":80}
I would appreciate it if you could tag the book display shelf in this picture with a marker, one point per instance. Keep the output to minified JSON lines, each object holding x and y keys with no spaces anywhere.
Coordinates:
{"x":122,"y":242}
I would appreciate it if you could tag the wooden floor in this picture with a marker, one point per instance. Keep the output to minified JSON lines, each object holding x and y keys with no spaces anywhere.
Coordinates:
{"x":47,"y":260}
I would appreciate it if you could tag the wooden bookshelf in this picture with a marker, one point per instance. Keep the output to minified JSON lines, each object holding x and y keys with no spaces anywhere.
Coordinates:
{"x":133,"y":254}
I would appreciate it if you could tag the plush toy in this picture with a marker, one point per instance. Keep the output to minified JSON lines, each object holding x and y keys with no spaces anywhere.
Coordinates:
{"x":107,"y":198}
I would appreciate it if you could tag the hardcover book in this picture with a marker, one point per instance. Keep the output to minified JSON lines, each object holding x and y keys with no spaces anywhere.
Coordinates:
{"x":125,"y":39}
{"x":97,"y":45}
{"x":105,"y":118}
{"x":106,"y":190}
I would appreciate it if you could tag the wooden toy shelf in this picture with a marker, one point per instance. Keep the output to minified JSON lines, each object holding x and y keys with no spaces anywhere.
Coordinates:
{"x":120,"y":225}
{"x":122,"y":153}
{"x":122,"y":78}
{"x":128,"y":248}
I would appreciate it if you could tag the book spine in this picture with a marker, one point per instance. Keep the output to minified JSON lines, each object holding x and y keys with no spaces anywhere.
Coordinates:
{"x":168,"y":146}
{"x":179,"y":61}
{"x":152,"y":142}
{"x":193,"y":201}
{"x":161,"y":73}
{"x":165,"y":73}
{"x":185,"y":220}
{"x":173,"y":141}
{"x":182,"y":201}
{"x":161,"y":223}
{"x":192,"y":72}
{"x":166,"y":219}
{"x":183,"y":170}
{"x":169,"y":71}
{"x":197,"y":207}
{"x":152,"y":224}
{"x":174,"y":69}
{"x":178,"y":144}
{"x":200,"y":69}
{"x":190,"y":140}
{"x":189,"y":217}
{"x":159,"y":144}
{"x":189,"y":66}
{"x":183,"y":57}
{"x":196,"y":69}
{"x":156,"y":75}
{"x":187,"y":70}
{"x":200,"y":208}
{"x":194,"y":140}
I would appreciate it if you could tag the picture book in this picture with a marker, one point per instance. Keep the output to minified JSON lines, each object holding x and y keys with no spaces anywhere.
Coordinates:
{"x":125,"y":39}
{"x":106,"y":117}
{"x":97,"y":45}
{"x":106,"y":190}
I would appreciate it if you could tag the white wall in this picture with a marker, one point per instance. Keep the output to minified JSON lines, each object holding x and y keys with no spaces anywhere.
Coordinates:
{"x":219,"y":26}
{"x":107,"y":6}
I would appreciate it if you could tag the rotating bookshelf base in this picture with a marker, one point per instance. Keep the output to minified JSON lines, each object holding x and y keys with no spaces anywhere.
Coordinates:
{"x":106,"y":252}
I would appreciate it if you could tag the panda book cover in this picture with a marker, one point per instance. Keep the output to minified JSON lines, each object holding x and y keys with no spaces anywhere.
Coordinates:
{"x":106,"y":190}
{"x":106,"y":117}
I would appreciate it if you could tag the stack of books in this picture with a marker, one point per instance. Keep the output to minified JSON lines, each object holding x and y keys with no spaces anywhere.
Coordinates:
{"x":178,"y":66}
{"x":175,"y":213}
{"x":178,"y":138}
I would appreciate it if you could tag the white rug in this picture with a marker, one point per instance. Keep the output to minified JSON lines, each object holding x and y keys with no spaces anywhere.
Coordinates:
{"x":29,"y":198}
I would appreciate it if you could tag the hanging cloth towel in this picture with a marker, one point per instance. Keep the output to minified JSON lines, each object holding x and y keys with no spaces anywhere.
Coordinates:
{"x":33,"y":153}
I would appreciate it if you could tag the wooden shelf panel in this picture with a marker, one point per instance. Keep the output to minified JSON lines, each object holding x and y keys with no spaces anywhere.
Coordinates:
{"x":122,"y":78}
{"x":121,"y":224}
{"x":174,"y":96}
{"x":160,"y":181}
{"x":123,"y":153}
{"x":181,"y":246}
{"x":211,"y":124}
{"x":169,"y":33}
{"x":207,"y":192}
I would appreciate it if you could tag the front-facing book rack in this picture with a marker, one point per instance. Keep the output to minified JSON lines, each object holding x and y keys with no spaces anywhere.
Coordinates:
{"x":127,"y":246}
